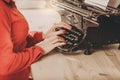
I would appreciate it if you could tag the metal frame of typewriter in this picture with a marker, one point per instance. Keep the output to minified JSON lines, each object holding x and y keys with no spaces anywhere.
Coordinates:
{"x":82,"y":15}
{"x":87,"y":11}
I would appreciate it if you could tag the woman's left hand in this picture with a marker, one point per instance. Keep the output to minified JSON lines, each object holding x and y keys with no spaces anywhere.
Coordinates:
{"x":52,"y":31}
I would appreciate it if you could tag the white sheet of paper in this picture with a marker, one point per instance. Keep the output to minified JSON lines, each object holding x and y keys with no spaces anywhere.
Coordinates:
{"x":99,"y":3}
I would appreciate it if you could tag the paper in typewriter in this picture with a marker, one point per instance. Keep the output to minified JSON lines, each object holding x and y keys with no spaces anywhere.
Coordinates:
{"x":99,"y":3}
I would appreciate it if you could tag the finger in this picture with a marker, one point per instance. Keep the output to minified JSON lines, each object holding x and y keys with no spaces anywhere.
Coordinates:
{"x":58,"y":40}
{"x":58,"y":33}
{"x":54,"y":39}
{"x":67,"y":25}
{"x":59,"y":44}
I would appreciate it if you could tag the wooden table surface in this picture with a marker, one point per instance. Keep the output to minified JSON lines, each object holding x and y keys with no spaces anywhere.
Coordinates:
{"x":103,"y":64}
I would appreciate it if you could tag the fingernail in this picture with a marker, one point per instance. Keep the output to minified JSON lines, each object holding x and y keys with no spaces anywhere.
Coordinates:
{"x":64,"y":31}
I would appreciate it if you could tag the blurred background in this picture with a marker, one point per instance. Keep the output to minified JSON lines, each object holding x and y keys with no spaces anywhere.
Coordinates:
{"x":38,"y":14}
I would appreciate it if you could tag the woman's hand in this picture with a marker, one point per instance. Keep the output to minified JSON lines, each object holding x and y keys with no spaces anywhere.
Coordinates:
{"x":52,"y":31}
{"x":50,"y":43}
{"x":51,"y":38}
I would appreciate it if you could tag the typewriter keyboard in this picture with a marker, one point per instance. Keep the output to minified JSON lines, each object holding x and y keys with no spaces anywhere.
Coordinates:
{"x":72,"y":37}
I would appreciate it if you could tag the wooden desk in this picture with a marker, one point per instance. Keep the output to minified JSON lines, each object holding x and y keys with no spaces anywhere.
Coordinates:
{"x":104,"y":64}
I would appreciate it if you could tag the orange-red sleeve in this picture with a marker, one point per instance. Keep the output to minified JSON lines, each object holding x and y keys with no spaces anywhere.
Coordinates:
{"x":11,"y":62}
{"x":33,"y":38}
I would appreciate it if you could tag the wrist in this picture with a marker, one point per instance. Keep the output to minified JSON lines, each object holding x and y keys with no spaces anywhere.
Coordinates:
{"x":41,"y":46}
{"x":43,"y":36}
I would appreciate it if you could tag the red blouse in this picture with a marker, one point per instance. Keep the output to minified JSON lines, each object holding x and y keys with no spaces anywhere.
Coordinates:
{"x":17,"y":50}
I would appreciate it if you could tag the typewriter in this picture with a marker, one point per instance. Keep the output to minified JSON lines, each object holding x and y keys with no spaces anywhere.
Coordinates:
{"x":92,"y":26}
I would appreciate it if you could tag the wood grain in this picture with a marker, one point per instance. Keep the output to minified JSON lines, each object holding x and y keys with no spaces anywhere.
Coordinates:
{"x":103,"y":64}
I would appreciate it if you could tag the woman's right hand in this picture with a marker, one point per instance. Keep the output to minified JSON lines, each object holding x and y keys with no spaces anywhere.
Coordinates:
{"x":50,"y":43}
{"x":52,"y":31}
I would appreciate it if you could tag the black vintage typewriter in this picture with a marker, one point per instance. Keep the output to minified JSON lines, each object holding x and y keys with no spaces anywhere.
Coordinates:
{"x":84,"y":36}
{"x":73,"y":37}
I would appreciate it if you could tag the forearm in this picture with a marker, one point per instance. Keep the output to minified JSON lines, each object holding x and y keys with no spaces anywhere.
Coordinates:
{"x":16,"y":62}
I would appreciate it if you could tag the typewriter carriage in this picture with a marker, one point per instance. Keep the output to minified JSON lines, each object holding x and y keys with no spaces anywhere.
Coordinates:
{"x":93,"y":21}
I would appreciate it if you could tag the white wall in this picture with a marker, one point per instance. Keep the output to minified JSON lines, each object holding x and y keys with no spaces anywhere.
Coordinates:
{"x":38,"y":17}
{"x":31,"y":3}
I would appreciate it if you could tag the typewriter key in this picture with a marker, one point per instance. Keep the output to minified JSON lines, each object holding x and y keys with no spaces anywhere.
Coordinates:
{"x":73,"y":37}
